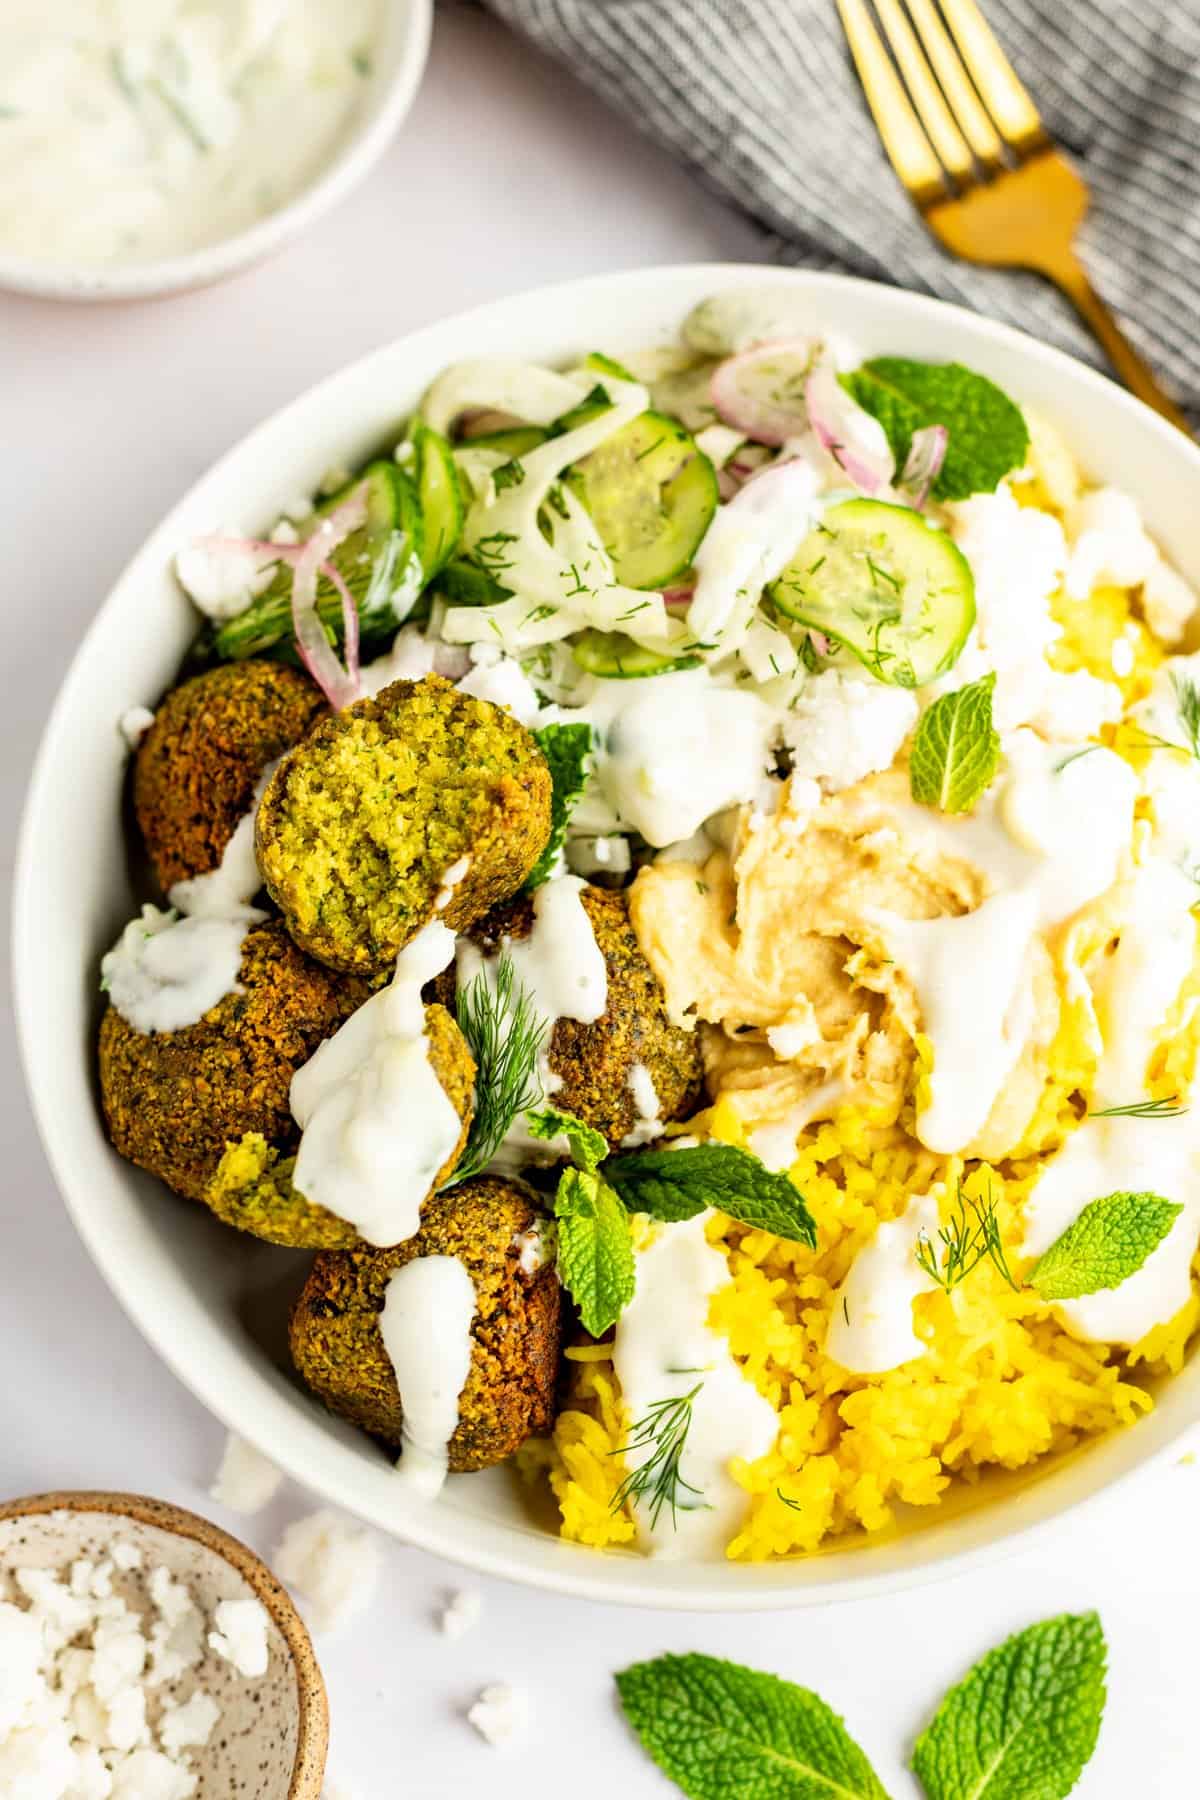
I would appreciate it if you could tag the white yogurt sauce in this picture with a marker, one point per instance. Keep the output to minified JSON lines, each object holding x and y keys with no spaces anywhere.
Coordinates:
{"x":663,"y":1348}
{"x":134,"y":723}
{"x":748,"y":544}
{"x":164,"y":973}
{"x":646,"y":1104}
{"x":426,"y":1326}
{"x":236,"y":879}
{"x":1050,"y":837}
{"x":152,"y":127}
{"x":871,"y":1326}
{"x":376,"y":1123}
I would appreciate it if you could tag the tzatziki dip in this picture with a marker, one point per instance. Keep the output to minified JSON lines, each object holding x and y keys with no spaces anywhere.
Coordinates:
{"x":134,"y":130}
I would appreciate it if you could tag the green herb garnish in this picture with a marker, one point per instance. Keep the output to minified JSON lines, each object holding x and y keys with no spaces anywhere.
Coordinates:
{"x":509,"y":474}
{"x":595,"y":1250}
{"x":1142,"y":1109}
{"x":988,"y":435}
{"x":657,"y":1481}
{"x":504,"y":1034}
{"x":567,"y":749}
{"x":956,"y":749}
{"x":1187,"y":705}
{"x":1024,"y":1722}
{"x":679,"y":1184}
{"x":1104,"y":1246}
{"x":971,"y":1235}
{"x":588,"y":1147}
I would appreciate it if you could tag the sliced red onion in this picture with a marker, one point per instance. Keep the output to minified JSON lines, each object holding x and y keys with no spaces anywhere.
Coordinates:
{"x":678,"y":596}
{"x":856,"y":441}
{"x":727,"y":483}
{"x":926,"y":454}
{"x":761,"y":391}
{"x":340,"y":685}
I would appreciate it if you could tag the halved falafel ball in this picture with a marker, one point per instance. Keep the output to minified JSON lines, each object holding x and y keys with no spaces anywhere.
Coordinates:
{"x":419,"y":801}
{"x":596,"y":1063}
{"x":509,"y":1395}
{"x":253,"y":1189}
{"x":198,"y":765}
{"x":174,"y":1100}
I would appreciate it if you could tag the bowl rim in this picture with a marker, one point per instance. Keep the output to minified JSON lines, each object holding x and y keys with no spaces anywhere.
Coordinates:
{"x":333,"y":1484}
{"x":353,"y":158}
{"x":312,"y":1701}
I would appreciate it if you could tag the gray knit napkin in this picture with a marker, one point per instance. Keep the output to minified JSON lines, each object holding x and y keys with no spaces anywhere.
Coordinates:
{"x":760,"y":100}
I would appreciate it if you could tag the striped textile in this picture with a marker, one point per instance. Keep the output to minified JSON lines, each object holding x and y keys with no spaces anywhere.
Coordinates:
{"x":760,"y":100}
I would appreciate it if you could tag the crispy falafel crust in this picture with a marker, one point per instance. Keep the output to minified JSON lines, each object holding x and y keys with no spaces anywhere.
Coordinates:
{"x":173,"y":1100}
{"x":360,"y":824}
{"x":509,"y":1394}
{"x":197,"y":767}
{"x":593,"y":1061}
{"x":252,"y":1188}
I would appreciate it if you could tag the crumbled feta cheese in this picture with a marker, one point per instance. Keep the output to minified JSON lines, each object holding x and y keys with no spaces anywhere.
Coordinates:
{"x":20,"y":1657}
{"x":787,"y":1041}
{"x":332,"y":1563}
{"x":505,"y":684}
{"x":246,"y":1481}
{"x":842,"y":729}
{"x":461,"y":1613}
{"x":1074,"y":706}
{"x":1168,"y":603}
{"x":285,"y":533}
{"x":127,"y":1556}
{"x":134,"y":723}
{"x":222,"y":575}
{"x":148,"y":1775}
{"x":500,"y":1714}
{"x":1108,"y":543}
{"x":191,"y":1724}
{"x":240,"y":1635}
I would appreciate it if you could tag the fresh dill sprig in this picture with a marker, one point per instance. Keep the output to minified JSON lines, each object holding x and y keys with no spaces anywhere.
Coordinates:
{"x":794,"y":1504}
{"x":1187,"y":705}
{"x":499,"y":1021}
{"x":1075,"y":756}
{"x":1143,"y":1109}
{"x":971,"y":1235}
{"x":658,"y":1481}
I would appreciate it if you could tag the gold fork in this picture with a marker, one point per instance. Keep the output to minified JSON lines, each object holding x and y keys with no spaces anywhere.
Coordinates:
{"x":966,"y":140}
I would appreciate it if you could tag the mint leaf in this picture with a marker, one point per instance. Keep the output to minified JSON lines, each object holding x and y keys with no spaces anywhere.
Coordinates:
{"x":718,"y":1730}
{"x":1106,"y":1244}
{"x":678,"y":1184}
{"x":595,"y":1250}
{"x":567,"y":748}
{"x":956,"y":749}
{"x":1025,"y":1720}
{"x":988,"y":435}
{"x":588,"y":1146}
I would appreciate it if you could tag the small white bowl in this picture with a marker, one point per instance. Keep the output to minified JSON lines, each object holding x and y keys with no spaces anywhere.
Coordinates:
{"x":212,"y":1303}
{"x":400,"y":54}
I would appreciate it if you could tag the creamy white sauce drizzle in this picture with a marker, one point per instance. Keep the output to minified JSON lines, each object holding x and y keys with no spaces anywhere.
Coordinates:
{"x":664,"y":1347}
{"x":451,"y":879}
{"x":1050,"y":837}
{"x":748,"y":544}
{"x":871,"y":1325}
{"x":376,"y":1123}
{"x":426,"y":1326}
{"x":164,"y":973}
{"x":646,"y":1104}
{"x":134,"y":723}
{"x":775,"y":1144}
{"x":236,"y":878}
{"x":151,"y":128}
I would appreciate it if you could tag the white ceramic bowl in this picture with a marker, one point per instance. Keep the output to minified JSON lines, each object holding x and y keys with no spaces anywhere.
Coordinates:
{"x":398,"y":63}
{"x":212,"y":1303}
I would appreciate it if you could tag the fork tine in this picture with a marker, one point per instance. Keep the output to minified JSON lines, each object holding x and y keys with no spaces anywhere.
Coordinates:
{"x":948,"y":142}
{"x":1010,"y":106}
{"x":907,"y":146}
{"x":973,"y":121}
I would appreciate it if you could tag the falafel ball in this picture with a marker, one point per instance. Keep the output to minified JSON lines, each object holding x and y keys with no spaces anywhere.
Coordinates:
{"x":509,"y":1395}
{"x":596,"y":1062}
{"x":197,"y":767}
{"x":418,"y":802}
{"x":174,"y":1100}
{"x":252,"y":1188}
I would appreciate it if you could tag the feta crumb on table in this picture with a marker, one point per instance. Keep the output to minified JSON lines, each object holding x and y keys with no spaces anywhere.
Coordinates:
{"x":332,"y":1563}
{"x":500,"y":1714}
{"x":246,"y":1481}
{"x":461,"y":1613}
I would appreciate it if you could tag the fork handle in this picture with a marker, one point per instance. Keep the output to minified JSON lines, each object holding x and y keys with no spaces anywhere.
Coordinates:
{"x":1070,"y":275}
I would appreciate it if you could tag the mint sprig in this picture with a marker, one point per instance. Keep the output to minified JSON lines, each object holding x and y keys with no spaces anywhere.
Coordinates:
{"x":956,"y":749}
{"x":678,"y":1184}
{"x":988,"y":436}
{"x":718,"y":1730}
{"x":588,"y":1147}
{"x":1104,"y":1246}
{"x":567,"y":749}
{"x":595,"y":1250}
{"x":1024,"y":1722}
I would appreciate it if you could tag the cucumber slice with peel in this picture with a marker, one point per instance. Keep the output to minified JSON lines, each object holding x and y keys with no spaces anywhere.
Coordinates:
{"x":883,"y":581}
{"x":440,"y":491}
{"x":612,"y":654}
{"x":651,"y":495}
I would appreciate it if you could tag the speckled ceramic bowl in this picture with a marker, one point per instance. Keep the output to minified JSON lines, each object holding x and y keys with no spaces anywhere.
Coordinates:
{"x":273,"y":1735}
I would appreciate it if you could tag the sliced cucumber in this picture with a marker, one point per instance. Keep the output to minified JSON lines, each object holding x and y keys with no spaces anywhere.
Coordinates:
{"x":881,"y":580}
{"x":464,"y":583}
{"x":376,"y":563}
{"x":518,"y":440}
{"x":652,"y":496}
{"x":607,"y":365}
{"x":613,"y":654}
{"x":440,"y":490}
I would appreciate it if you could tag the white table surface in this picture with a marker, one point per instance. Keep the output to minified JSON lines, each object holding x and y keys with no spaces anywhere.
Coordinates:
{"x":506,"y":175}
